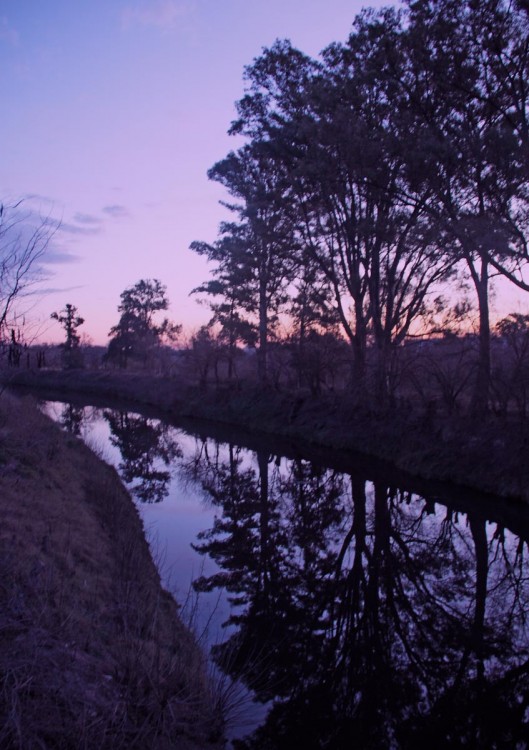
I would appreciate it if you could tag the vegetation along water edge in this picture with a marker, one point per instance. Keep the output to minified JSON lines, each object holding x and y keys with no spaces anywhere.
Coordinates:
{"x":485,"y":452}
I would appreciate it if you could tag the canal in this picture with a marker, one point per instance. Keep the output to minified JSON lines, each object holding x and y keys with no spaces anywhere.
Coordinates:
{"x":340,"y":604}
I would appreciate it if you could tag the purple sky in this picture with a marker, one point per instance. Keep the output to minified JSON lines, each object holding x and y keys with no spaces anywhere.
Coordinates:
{"x":113,"y":111}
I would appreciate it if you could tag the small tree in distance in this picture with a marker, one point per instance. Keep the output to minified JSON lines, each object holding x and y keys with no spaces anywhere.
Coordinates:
{"x":70,"y":321}
{"x":137,"y":335}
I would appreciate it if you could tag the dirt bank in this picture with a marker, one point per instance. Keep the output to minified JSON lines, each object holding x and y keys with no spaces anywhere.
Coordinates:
{"x":92,"y":652}
{"x":487,"y":454}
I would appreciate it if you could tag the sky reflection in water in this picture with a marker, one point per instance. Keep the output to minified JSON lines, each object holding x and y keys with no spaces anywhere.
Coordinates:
{"x":360,"y":612}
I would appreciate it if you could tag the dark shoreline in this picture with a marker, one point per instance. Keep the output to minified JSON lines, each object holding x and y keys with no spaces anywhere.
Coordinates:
{"x":487,"y":456}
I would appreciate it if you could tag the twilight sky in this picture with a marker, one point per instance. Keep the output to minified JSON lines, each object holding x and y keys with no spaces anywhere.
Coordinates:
{"x":113,"y":111}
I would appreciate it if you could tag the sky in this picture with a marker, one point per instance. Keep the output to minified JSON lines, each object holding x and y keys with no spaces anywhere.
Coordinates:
{"x":113,"y":111}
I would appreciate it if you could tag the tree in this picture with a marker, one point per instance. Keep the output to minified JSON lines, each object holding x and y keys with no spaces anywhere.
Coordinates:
{"x":229,"y":311}
{"x":510,"y":382}
{"x":70,"y":321}
{"x":468,"y":113}
{"x":255,"y":255}
{"x":204,"y":354}
{"x":137,"y":335}
{"x":367,"y":226}
{"x":339,"y":137}
{"x":23,"y":243}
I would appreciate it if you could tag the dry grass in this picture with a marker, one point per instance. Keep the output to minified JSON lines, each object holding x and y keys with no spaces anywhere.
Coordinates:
{"x":92,"y":652}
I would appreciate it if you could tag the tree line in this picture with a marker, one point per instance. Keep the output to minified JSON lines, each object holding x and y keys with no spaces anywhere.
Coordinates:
{"x":138,"y":334}
{"x":380,"y":188}
{"x":378,"y":192}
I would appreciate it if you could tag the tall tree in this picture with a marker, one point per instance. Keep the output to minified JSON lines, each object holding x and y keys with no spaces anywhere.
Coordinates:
{"x":338,"y":136}
{"x":465,"y":83}
{"x":227,"y":293}
{"x":255,"y":255}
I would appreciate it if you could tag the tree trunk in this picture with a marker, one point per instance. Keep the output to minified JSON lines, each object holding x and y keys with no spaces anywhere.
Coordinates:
{"x":381,"y":374}
{"x":359,"y":349}
{"x":262,"y":351}
{"x":359,"y":367}
{"x":480,"y":398}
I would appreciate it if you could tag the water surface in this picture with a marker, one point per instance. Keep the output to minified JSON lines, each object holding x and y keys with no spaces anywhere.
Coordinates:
{"x":357,"y":611}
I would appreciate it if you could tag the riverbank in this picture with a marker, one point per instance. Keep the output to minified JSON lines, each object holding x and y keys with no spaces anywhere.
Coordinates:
{"x":487,"y":454}
{"x":93,"y":653}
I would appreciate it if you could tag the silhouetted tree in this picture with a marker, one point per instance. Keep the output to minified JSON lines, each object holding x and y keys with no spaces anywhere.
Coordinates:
{"x":392,"y":166}
{"x":205,"y":354}
{"x":339,"y":135}
{"x":15,"y":348}
{"x":23,"y":243}
{"x":70,"y":321}
{"x":229,"y":317}
{"x":255,"y":256}
{"x":320,"y":360}
{"x":510,"y":380}
{"x":137,"y":335}
{"x":467,"y":107}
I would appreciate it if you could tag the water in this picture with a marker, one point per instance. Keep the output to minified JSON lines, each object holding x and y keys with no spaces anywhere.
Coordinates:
{"x":356,"y":611}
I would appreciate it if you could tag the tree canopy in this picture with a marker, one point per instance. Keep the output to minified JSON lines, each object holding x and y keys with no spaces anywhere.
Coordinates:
{"x":390,"y":172}
{"x":138,"y":334}
{"x":70,"y":321}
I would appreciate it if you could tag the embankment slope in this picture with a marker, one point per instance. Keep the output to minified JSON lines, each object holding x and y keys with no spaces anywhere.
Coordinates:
{"x":92,"y":651}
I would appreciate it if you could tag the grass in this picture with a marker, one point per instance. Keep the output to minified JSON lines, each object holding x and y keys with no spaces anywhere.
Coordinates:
{"x":92,"y":650}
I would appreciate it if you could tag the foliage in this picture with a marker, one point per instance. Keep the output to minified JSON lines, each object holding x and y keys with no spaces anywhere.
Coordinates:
{"x":378,"y":180}
{"x":70,"y":321}
{"x":137,"y":335}
{"x":510,"y":381}
{"x":254,"y":256}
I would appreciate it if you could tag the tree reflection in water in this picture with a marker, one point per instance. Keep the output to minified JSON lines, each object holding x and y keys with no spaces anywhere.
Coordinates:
{"x":146,"y":445}
{"x":366,"y":616}
{"x":73,"y":418}
{"x":380,"y":620}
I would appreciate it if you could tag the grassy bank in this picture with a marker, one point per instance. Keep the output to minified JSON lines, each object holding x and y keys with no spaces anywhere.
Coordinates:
{"x":488,"y":454}
{"x":92,"y":653}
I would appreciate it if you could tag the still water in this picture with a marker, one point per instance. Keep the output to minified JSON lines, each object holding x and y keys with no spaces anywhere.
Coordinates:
{"x":354,"y":611}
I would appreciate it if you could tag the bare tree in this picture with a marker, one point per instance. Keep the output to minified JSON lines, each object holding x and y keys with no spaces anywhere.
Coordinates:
{"x":23,"y":242}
